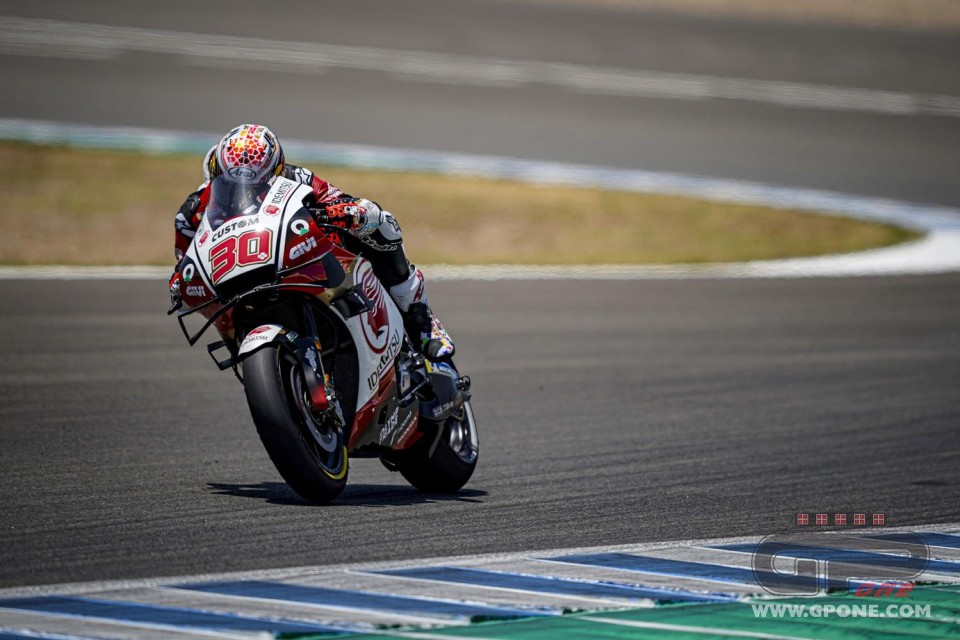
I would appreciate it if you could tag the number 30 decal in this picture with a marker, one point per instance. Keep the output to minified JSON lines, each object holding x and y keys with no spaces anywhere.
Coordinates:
{"x":250,"y":247}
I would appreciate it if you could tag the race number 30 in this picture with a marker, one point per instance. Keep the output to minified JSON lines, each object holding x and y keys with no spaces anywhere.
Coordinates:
{"x":250,"y":247}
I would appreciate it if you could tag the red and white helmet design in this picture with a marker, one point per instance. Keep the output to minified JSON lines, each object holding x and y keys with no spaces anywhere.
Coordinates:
{"x":249,"y":153}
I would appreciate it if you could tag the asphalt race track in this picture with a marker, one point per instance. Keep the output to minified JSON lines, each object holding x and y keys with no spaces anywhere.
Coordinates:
{"x":610,"y":412}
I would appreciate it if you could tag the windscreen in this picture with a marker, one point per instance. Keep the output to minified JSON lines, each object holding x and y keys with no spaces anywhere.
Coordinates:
{"x":230,"y":197}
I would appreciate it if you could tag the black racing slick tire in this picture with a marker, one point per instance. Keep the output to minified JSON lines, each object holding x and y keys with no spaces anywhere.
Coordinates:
{"x":451,"y":464}
{"x":310,"y":455}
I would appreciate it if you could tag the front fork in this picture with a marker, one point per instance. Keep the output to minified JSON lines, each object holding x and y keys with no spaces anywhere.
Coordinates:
{"x":308,"y":353}
{"x":321,"y":391}
{"x":323,"y":396}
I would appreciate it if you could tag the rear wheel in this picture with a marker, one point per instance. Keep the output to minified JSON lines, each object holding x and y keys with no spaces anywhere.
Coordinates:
{"x":453,"y":460}
{"x":307,"y":447}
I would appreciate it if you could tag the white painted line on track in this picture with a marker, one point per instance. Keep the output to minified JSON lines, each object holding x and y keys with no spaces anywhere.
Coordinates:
{"x":77,"y":40}
{"x":937,"y":252}
{"x":130,"y":629}
{"x":26,"y":633}
{"x":581,"y":601}
{"x":546,"y":567}
{"x":43,"y":626}
{"x":67,"y":272}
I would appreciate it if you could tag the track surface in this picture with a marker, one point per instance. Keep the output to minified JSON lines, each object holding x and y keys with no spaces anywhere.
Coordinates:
{"x":638,"y":411}
{"x":634,"y":411}
{"x":906,"y":157}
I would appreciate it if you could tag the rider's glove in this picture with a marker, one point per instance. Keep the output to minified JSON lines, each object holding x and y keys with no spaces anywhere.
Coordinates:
{"x":346,"y":214}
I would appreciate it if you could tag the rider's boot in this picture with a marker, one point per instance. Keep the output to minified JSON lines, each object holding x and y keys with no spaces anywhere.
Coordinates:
{"x":435,"y":342}
{"x":410,"y":295}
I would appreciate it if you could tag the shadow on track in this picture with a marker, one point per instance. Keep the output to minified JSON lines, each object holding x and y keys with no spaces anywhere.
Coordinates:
{"x":358,"y":495}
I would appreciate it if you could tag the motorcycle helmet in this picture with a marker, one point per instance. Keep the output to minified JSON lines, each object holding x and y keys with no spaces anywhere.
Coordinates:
{"x":240,"y":169}
{"x":249,"y":153}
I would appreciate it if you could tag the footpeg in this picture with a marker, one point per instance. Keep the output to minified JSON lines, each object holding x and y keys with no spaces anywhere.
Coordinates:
{"x":463,"y":386}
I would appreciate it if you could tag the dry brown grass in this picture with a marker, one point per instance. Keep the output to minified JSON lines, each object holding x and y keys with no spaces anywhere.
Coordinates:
{"x":70,"y":206}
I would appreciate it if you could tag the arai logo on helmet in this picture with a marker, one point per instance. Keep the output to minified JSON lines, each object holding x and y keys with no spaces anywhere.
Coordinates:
{"x":271,"y":210}
{"x":242,"y":173}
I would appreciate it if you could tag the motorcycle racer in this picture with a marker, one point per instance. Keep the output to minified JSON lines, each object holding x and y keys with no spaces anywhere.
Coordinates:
{"x":251,"y":153}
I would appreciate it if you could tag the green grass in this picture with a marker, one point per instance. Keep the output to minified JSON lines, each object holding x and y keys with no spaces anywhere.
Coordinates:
{"x":71,"y":206}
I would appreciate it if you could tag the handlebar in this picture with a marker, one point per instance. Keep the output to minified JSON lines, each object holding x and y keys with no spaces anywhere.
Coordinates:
{"x":320,"y":217}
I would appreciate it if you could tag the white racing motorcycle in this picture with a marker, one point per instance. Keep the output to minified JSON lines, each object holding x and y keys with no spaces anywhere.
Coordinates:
{"x":320,"y":348}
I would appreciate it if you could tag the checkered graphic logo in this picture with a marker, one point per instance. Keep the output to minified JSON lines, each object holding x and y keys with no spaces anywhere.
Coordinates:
{"x":841,"y":519}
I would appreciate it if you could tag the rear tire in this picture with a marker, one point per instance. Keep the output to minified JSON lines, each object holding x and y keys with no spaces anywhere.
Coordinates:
{"x":453,"y":460}
{"x":311,"y":456}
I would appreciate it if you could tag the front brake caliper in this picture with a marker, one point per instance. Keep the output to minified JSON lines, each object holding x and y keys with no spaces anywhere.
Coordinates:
{"x":308,"y":352}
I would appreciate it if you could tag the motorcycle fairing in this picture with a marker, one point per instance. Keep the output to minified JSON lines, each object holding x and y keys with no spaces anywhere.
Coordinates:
{"x":298,"y":252}
{"x":448,"y":394}
{"x":377,"y":333}
{"x":281,"y":216}
{"x":246,"y":243}
{"x":195,"y":285}
{"x":384,"y":424}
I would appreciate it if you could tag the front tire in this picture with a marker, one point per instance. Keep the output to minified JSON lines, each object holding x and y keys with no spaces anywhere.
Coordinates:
{"x":309,"y":452}
{"x":453,"y":460}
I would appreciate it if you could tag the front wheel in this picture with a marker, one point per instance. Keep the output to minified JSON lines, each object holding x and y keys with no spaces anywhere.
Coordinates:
{"x":453,"y":460}
{"x":308,"y":448}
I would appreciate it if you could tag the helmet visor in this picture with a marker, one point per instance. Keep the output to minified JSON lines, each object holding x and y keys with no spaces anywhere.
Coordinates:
{"x":231,"y":197}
